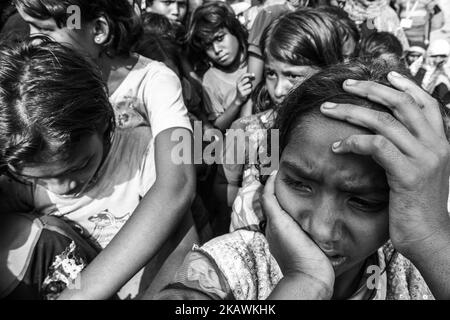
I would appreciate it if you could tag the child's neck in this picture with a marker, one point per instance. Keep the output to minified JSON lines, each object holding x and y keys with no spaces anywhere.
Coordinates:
{"x":348,"y":283}
{"x":116,"y":69}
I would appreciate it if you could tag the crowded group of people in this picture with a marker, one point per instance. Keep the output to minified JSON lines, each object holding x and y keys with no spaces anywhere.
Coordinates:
{"x":341,"y":189}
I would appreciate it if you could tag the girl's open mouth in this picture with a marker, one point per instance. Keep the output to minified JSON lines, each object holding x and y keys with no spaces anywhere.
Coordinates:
{"x":337,"y":260}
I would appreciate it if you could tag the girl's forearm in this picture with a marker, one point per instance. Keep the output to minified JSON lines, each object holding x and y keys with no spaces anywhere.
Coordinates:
{"x":432,"y":259}
{"x":224,"y":121}
{"x":151,"y":225}
{"x":300,"y":287}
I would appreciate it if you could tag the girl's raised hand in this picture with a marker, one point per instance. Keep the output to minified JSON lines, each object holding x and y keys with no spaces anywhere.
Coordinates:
{"x":412,"y":147}
{"x":244,"y":87}
{"x":300,"y":259}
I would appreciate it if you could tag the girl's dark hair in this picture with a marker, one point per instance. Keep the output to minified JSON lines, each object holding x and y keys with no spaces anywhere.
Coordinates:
{"x":304,"y":37}
{"x":124,"y":24}
{"x":346,"y":26}
{"x":49,"y":96}
{"x":380,"y":43}
{"x":207,"y":20}
{"x":327,"y":86}
{"x":161,"y":49}
{"x":157,"y":24}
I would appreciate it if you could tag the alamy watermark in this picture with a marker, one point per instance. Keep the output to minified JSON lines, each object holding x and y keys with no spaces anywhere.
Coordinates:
{"x":237,"y":147}
{"x":74,"y":19}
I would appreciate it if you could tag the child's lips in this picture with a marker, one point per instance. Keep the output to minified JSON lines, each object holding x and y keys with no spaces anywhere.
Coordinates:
{"x":223,"y":58}
{"x":335,"y":257}
{"x":337,"y":260}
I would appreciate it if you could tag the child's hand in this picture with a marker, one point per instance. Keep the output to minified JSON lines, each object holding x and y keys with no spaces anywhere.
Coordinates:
{"x":412,"y":147}
{"x":297,"y":255}
{"x":244,"y":87}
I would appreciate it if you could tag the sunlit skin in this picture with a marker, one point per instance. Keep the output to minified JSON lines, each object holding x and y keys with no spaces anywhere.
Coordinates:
{"x":223,"y":50}
{"x":280,"y":77}
{"x":174,"y":10}
{"x":340,"y":201}
{"x":71,"y":176}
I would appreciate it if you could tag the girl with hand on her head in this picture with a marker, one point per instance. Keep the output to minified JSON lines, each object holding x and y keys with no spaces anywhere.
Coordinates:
{"x":362,"y":187}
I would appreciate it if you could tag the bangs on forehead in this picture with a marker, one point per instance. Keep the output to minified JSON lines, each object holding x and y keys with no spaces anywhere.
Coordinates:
{"x":284,"y":54}
{"x":206,"y":34}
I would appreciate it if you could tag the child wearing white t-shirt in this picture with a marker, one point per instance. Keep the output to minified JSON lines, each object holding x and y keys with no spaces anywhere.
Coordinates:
{"x":140,"y":96}
{"x":119,"y":188}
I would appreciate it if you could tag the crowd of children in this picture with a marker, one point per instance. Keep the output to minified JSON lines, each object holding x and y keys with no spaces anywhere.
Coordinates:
{"x":96,"y":98}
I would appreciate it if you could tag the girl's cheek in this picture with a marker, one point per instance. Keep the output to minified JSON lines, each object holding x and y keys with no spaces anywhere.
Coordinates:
{"x":372,"y":231}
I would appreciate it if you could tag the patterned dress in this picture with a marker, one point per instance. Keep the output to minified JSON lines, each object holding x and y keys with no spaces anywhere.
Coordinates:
{"x":239,"y":266}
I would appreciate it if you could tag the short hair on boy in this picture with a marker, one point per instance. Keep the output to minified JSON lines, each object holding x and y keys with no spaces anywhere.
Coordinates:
{"x":49,"y":96}
{"x":124,"y":24}
{"x":303,"y":102}
{"x":207,"y":20}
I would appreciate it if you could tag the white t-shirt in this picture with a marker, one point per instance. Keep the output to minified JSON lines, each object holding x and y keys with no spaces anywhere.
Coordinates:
{"x":125,"y":176}
{"x":219,"y":90}
{"x":150,"y":95}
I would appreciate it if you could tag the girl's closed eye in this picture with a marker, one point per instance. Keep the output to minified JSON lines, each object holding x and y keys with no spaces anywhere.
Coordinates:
{"x":298,"y":185}
{"x":82,"y":167}
{"x":367,"y":205}
{"x":296,"y":77}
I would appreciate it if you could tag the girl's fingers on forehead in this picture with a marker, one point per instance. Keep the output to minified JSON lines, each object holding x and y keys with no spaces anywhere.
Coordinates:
{"x":430,"y":105}
{"x":378,"y":147}
{"x":403,"y":105}
{"x":381,"y":122}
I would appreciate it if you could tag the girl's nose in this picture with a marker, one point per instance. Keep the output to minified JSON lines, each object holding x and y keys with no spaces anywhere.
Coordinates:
{"x":323,"y":224}
{"x":175,"y":9}
{"x":217,"y":48}
{"x":281,"y":89}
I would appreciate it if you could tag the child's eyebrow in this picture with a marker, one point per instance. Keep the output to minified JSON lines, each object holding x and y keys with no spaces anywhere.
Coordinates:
{"x":301,"y":170}
{"x":352,"y":184}
{"x":358,"y":185}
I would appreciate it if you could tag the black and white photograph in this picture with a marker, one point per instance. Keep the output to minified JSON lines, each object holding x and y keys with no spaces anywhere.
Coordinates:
{"x":208,"y":155}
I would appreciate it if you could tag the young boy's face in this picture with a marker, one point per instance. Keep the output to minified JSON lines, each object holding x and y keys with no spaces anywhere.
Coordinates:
{"x":174,"y":10}
{"x":341,"y":201}
{"x":223,"y":49}
{"x":69,"y":177}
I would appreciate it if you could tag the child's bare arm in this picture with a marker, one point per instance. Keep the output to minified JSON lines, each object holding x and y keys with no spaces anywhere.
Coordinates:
{"x":244,"y":89}
{"x":150,"y":226}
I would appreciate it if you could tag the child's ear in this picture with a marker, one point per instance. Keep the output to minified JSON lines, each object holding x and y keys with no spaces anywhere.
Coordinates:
{"x":101,"y":30}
